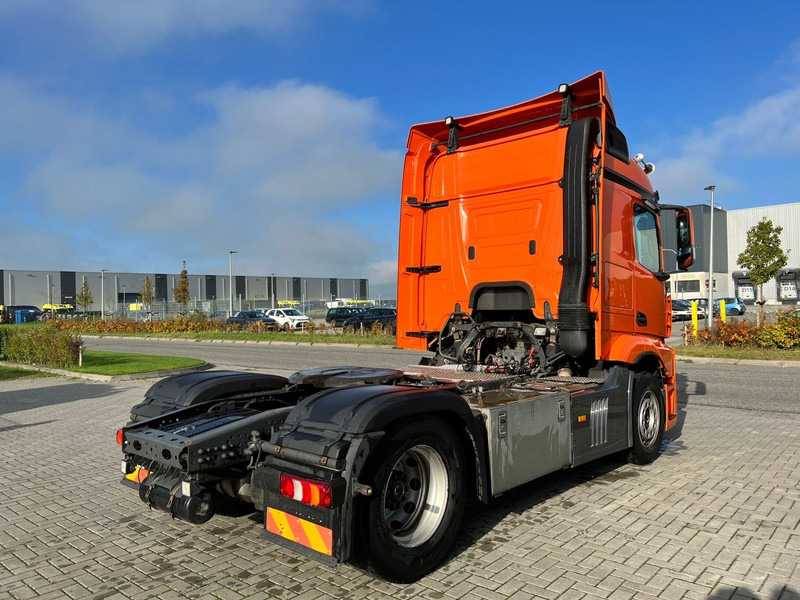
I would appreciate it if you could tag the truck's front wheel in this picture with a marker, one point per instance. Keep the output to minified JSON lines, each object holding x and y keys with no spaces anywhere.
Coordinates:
{"x":417,"y":503}
{"x":648,"y":419}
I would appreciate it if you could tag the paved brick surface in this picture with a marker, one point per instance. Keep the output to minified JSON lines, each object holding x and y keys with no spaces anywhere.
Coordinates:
{"x":717,"y":515}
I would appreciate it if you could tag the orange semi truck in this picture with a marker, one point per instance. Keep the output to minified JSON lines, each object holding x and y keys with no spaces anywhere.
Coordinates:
{"x":531,"y":267}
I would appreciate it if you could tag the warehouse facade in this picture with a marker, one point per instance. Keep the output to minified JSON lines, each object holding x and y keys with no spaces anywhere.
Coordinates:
{"x":730,"y":239}
{"x":119,"y":293}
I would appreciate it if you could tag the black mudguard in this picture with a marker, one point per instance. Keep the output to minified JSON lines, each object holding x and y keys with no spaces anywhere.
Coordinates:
{"x":331,"y":435}
{"x":180,"y":391}
{"x":367,"y":408}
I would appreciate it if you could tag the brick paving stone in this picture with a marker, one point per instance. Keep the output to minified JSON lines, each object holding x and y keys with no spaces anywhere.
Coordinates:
{"x":459,"y":590}
{"x":572,"y":594}
{"x":525,"y":595}
{"x":718,"y":513}
{"x":487,"y":594}
{"x":624,"y":592}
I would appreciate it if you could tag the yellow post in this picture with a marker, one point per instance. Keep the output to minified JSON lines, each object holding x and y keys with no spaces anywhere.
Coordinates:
{"x":694,"y":317}
{"x":722,"y":314}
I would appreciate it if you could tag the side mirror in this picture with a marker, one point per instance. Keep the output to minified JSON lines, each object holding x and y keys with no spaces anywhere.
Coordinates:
{"x":684,"y":231}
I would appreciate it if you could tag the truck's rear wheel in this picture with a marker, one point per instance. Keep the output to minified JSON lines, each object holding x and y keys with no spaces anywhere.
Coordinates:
{"x":417,"y":503}
{"x":648,"y":419}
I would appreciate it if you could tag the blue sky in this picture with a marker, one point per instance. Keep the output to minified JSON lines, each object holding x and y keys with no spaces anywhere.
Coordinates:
{"x":136,"y":135}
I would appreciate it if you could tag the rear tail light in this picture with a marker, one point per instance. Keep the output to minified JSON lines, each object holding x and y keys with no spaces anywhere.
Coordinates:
{"x":308,"y":491}
{"x":120,"y":437}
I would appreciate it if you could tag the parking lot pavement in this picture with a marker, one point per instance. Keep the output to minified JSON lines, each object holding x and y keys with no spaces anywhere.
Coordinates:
{"x":717,"y":515}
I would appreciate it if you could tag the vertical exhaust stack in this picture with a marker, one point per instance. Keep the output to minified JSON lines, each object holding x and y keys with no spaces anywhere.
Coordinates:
{"x":573,"y":311}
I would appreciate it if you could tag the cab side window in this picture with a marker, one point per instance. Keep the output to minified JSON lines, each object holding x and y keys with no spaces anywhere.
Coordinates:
{"x":645,"y":237}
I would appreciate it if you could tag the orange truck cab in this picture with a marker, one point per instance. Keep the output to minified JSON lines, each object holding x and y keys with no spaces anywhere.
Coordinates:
{"x":537,"y":215}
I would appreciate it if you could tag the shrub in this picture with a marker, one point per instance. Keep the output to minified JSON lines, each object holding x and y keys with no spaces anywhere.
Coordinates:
{"x":45,"y":346}
{"x":732,"y":334}
{"x":177,"y":325}
{"x":782,"y":335}
{"x":195,"y":324}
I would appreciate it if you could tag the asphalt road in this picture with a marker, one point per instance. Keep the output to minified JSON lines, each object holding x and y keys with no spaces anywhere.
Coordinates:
{"x":278,"y":358}
{"x":713,"y":383}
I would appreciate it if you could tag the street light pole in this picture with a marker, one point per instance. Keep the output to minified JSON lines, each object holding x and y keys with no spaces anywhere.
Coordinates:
{"x":710,"y":312}
{"x":230,"y":281}
{"x":103,"y":293}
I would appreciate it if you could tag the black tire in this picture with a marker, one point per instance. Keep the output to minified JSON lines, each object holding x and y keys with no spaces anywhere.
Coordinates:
{"x":418,"y":467}
{"x":735,"y":312}
{"x":649,"y":419}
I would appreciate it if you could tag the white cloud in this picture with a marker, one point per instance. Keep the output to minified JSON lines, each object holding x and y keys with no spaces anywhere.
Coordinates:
{"x":127,"y":26}
{"x":382,"y":277}
{"x":724,"y":152}
{"x":25,"y":246}
{"x":34,"y":122}
{"x":256,"y":177}
{"x":78,"y":189}
{"x":770,"y":127}
{"x":300,"y":143}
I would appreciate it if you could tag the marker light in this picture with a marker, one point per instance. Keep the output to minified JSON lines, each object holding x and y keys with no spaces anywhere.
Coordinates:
{"x":120,"y":437}
{"x":315,"y":493}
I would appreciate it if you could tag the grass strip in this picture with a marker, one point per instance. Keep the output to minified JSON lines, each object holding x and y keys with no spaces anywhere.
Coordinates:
{"x":12,"y":373}
{"x":128,"y":363}
{"x":706,"y":351}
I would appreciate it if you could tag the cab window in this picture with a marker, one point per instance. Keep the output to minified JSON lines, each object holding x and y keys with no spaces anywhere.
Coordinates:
{"x":645,"y":236}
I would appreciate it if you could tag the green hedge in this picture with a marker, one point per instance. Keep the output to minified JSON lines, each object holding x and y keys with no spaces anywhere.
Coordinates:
{"x":784,"y":334}
{"x":42,"y":346}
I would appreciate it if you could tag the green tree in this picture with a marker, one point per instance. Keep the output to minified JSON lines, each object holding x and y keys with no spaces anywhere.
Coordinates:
{"x":181,"y":291}
{"x":763,"y":257}
{"x":84,"y":297}
{"x":146,"y":296}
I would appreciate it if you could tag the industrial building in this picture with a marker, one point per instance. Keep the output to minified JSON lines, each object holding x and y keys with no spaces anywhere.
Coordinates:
{"x":730,"y":240}
{"x":119,"y":293}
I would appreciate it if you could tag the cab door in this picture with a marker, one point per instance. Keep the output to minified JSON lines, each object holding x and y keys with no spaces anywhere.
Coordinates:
{"x":650,"y":314}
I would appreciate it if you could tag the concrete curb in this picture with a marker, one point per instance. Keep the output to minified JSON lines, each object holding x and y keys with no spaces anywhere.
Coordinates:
{"x":739,"y":361}
{"x":241,"y":342}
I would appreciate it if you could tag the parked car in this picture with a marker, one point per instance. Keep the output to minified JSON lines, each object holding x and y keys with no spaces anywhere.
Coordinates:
{"x":245,"y":317}
{"x":8,"y":313}
{"x":733,"y":306}
{"x":337,"y":316}
{"x":58,"y":309}
{"x":682,"y":310}
{"x":703,"y":303}
{"x":385,"y":316}
{"x":290,"y":317}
